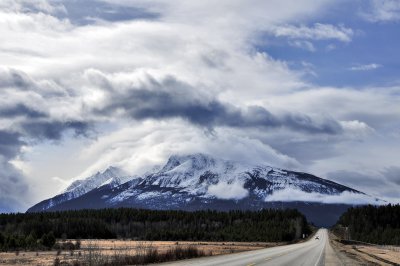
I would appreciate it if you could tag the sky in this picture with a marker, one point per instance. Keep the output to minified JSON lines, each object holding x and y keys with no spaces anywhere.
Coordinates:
{"x":304,"y":85}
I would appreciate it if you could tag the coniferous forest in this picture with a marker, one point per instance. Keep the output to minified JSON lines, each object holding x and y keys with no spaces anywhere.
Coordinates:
{"x":39,"y":230}
{"x":372,"y":224}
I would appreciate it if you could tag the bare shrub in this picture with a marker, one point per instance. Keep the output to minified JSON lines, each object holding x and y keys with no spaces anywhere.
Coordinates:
{"x":67,"y":245}
{"x":145,"y":253}
{"x":57,"y":262}
{"x":179,"y":253}
{"x":78,"y":244}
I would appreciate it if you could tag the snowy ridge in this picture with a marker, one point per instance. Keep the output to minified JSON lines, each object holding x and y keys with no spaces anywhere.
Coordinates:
{"x":190,"y":173}
{"x":112,"y":176}
{"x":195,"y":174}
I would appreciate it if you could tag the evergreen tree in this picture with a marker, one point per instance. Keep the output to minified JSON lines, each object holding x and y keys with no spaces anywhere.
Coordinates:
{"x":1,"y":241}
{"x":265,"y":225}
{"x":373,"y":224}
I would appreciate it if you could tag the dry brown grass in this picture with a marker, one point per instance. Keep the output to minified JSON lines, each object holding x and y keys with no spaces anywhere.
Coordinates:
{"x":98,"y":248}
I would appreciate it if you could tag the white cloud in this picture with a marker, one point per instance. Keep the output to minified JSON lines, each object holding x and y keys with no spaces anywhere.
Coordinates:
{"x":308,"y":68}
{"x":224,"y":190}
{"x":31,"y":6}
{"x":365,"y":67}
{"x":139,"y":146}
{"x":357,"y":129}
{"x":317,"y":32}
{"x":306,"y":45}
{"x":382,"y":11}
{"x":241,"y":15}
{"x":346,"y":104}
{"x":330,"y":47}
{"x":290,"y":194}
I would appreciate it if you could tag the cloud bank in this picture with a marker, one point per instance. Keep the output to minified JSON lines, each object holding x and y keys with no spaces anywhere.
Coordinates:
{"x":224,"y":190}
{"x":289,"y":194}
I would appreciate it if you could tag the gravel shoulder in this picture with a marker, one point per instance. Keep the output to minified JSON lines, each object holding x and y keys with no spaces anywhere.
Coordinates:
{"x":362,"y":254}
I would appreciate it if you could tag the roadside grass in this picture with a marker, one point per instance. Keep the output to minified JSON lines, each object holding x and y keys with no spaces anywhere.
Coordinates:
{"x":142,"y":254}
{"x":122,"y":251}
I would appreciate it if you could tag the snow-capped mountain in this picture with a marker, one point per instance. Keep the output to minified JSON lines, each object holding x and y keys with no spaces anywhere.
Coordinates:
{"x":110,"y":177}
{"x":200,"y":181}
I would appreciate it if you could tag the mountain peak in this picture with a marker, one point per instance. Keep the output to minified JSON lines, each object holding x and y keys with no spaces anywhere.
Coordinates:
{"x":114,"y":171}
{"x":197,"y":161}
{"x":112,"y":175}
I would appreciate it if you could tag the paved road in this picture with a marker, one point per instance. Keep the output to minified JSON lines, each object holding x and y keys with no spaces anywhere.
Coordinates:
{"x":310,"y":253}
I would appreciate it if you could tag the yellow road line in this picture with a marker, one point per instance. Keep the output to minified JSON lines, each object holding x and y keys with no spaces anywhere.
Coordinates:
{"x":251,"y":264}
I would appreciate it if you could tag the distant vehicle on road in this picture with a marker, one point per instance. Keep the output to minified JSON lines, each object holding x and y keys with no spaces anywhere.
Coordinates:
{"x":317,"y":237}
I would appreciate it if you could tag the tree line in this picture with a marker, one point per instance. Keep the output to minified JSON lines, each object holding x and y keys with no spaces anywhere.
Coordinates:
{"x":39,"y":230}
{"x":372,"y":224}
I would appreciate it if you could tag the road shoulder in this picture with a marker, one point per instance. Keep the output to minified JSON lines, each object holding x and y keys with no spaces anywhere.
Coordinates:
{"x":353,"y":255}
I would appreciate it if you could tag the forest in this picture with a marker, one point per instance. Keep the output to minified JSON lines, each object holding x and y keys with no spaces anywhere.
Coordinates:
{"x":40,"y":230}
{"x":372,"y":224}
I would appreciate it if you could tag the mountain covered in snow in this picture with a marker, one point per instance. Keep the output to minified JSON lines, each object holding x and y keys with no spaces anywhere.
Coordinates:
{"x":199,"y":181}
{"x":111,"y":177}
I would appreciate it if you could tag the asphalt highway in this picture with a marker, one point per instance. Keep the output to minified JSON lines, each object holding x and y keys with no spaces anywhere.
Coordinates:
{"x":309,"y":253}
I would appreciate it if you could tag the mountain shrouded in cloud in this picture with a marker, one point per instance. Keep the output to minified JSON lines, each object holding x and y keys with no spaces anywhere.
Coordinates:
{"x":89,"y":84}
{"x":200,"y":181}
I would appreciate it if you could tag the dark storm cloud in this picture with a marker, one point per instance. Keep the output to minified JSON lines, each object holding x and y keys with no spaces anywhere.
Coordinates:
{"x":156,"y":104}
{"x":20,"y":110}
{"x":174,"y":99}
{"x":305,"y":151}
{"x":370,"y":184}
{"x":12,"y":182}
{"x":27,"y":123}
{"x":12,"y":186}
{"x":355,"y":179}
{"x":38,"y":124}
{"x":15,"y":79}
{"x":393,"y":174}
{"x":10,"y":143}
{"x":53,"y":130}
{"x":305,"y":123}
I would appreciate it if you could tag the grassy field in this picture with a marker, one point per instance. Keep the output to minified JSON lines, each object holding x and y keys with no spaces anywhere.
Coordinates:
{"x":106,"y":251}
